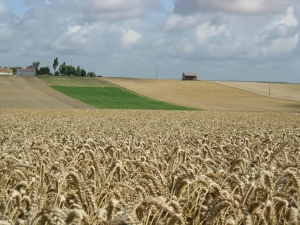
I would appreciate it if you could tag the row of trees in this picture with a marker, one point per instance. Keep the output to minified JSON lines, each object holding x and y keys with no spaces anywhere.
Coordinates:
{"x":63,"y":70}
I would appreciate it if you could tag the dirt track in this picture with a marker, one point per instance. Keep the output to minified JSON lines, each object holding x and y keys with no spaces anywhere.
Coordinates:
{"x":31,"y":93}
{"x":206,"y":95}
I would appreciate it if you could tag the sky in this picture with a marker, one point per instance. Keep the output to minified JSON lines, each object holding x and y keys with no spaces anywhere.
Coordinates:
{"x":243,"y":40}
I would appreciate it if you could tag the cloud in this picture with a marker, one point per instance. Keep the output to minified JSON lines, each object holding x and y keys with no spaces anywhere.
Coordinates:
{"x":289,"y":19}
{"x":207,"y":33}
{"x":176,"y":22}
{"x":130,"y":37}
{"x":112,"y":10}
{"x":281,"y":30}
{"x":30,"y":2}
{"x":278,"y":47}
{"x":138,"y":34}
{"x":280,"y":37}
{"x":2,"y":6}
{"x":239,"y":7}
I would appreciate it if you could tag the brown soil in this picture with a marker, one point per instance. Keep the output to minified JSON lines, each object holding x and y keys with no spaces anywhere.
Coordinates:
{"x":31,"y":93}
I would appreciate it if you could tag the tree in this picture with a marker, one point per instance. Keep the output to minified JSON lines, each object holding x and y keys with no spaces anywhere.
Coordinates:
{"x":36,"y":66}
{"x":14,"y":69}
{"x":55,"y":64}
{"x":62,"y":69}
{"x":78,"y":71}
{"x":44,"y":71}
{"x":91,"y":74}
{"x":56,"y":73}
{"x":70,"y":70}
{"x":83,"y":73}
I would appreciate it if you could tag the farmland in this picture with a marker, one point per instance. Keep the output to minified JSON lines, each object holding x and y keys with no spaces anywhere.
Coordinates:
{"x":115,"y":98}
{"x":207,"y":95}
{"x":148,"y":167}
{"x":61,"y":165}
{"x":275,"y":90}
{"x":30,"y":92}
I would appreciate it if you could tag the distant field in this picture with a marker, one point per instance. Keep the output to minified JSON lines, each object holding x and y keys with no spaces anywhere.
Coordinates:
{"x":277,"y":90}
{"x":34,"y":92}
{"x":205,"y":95}
{"x":31,"y":93}
{"x":76,"y":81}
{"x":114,"y":98}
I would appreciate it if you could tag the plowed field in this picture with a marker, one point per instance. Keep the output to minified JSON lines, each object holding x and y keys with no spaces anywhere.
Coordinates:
{"x":31,"y":93}
{"x":205,"y":95}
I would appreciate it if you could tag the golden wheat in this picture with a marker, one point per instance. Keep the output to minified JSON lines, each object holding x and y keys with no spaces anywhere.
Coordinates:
{"x":148,"y":167}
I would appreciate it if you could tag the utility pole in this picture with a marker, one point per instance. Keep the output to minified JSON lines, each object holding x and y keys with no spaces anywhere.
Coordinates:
{"x":156,"y":72}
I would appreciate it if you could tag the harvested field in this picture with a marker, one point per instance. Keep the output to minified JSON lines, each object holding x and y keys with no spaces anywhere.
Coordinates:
{"x":148,"y":167}
{"x":76,"y":81}
{"x":30,"y":92}
{"x":205,"y":95}
{"x":277,"y":90}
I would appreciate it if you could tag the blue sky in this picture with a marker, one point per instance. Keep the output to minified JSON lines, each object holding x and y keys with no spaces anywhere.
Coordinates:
{"x":220,"y":40}
{"x":18,"y":7}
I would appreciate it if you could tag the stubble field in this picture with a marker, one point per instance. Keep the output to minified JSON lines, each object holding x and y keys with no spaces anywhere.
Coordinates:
{"x":220,"y":96}
{"x":148,"y":167}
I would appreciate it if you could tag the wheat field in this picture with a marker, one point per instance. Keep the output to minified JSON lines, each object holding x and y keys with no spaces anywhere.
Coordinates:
{"x":148,"y":167}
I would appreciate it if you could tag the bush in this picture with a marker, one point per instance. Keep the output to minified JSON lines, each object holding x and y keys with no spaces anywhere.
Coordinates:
{"x":91,"y":74}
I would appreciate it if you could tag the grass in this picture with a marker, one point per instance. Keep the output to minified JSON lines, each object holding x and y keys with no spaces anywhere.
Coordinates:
{"x":76,"y":81}
{"x":115,"y":98}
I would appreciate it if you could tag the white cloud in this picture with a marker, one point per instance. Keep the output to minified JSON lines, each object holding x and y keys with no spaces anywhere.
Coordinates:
{"x":205,"y":32}
{"x":73,"y":29}
{"x":102,"y":10}
{"x":176,"y":22}
{"x":218,"y":35}
{"x":281,"y":36}
{"x":130,"y":37}
{"x":278,"y":47}
{"x":289,"y":19}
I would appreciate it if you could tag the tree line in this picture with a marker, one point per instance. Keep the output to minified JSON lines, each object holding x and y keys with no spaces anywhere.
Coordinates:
{"x":63,"y":70}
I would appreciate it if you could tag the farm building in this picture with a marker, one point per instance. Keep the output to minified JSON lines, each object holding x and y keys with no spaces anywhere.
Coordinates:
{"x":189,"y":76}
{"x":6,"y":71}
{"x":29,"y":71}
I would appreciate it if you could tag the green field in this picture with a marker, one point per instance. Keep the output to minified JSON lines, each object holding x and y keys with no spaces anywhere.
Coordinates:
{"x":115,"y":98}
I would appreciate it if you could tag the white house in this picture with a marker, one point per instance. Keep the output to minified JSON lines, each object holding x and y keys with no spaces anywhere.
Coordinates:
{"x":29,"y":71}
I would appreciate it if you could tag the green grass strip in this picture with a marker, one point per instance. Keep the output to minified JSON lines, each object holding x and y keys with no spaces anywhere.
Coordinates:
{"x":115,"y":98}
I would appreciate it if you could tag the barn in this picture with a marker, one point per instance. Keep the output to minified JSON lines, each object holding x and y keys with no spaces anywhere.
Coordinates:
{"x":29,"y":71}
{"x":189,"y":76}
{"x":5,"y":71}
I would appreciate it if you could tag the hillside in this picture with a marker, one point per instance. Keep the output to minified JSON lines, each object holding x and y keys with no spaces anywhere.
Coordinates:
{"x":205,"y":95}
{"x":289,"y":92}
{"x":31,"y":93}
